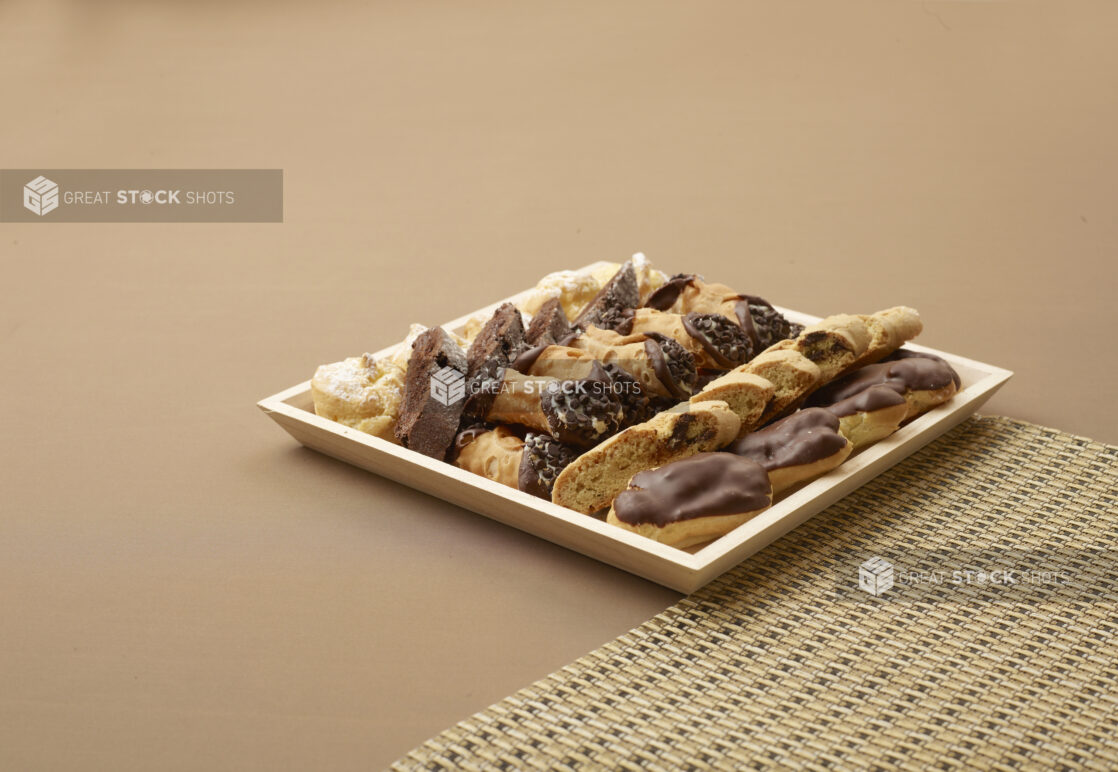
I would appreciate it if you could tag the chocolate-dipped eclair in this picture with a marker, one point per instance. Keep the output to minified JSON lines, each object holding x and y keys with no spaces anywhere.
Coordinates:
{"x":576,"y":412}
{"x":924,"y":380}
{"x":870,"y":415}
{"x":530,"y":464}
{"x":694,"y":500}
{"x":715,"y":341}
{"x":802,"y":446}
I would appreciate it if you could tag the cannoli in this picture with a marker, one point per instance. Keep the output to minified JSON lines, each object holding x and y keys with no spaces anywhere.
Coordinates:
{"x":662,"y":366}
{"x":715,"y":341}
{"x":593,"y":479}
{"x":687,"y":293}
{"x":567,"y":363}
{"x":530,"y":464}
{"x":694,"y":500}
{"x":576,"y":412}
{"x":802,"y":446}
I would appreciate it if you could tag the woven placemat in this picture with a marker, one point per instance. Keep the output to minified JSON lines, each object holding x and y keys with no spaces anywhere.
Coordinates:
{"x":784,"y":662}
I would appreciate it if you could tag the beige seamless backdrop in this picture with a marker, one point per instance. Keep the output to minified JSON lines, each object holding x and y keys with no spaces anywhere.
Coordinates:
{"x":183,"y":588}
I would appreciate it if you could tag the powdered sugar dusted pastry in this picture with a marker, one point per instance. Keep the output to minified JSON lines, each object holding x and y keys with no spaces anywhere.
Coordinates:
{"x":573,"y":290}
{"x":361,"y":393}
{"x":529,"y":464}
{"x":694,"y":500}
{"x":593,"y":479}
{"x":802,"y":446}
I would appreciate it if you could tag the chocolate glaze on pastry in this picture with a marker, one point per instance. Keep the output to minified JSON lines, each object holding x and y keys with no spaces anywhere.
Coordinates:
{"x":673,"y":365}
{"x":725,"y":342}
{"x":867,"y":401}
{"x":549,"y":325}
{"x":611,"y":308}
{"x":909,"y":373}
{"x":543,"y":460}
{"x":526,"y":358}
{"x":636,"y":407}
{"x":762,"y":323}
{"x":907,"y":353}
{"x":666,"y":295}
{"x":802,"y":438}
{"x":464,"y":437}
{"x":704,"y":485}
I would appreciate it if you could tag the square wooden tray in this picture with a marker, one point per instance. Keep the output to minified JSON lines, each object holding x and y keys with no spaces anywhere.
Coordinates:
{"x":681,"y":570}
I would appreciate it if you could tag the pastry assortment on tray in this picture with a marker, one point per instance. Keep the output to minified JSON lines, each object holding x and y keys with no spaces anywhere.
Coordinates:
{"x":676,"y":407}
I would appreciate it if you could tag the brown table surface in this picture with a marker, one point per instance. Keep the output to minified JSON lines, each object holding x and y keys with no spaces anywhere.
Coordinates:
{"x":181,"y":586}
